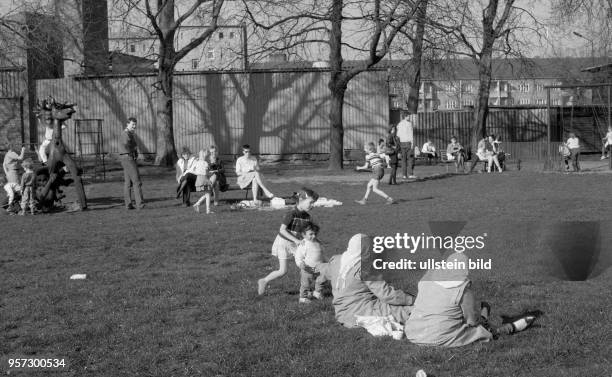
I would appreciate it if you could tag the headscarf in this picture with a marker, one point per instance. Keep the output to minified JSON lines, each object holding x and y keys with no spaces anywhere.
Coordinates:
{"x":352,"y":256}
{"x":452,"y":278}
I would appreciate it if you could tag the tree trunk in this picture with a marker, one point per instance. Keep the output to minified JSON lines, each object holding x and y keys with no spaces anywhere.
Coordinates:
{"x":336,"y":158}
{"x":166,"y":151}
{"x":481,"y":110}
{"x":413,"y":71}
{"x":337,"y":88}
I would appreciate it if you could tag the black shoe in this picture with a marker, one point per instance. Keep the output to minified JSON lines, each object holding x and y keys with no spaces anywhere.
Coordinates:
{"x":130,"y":206}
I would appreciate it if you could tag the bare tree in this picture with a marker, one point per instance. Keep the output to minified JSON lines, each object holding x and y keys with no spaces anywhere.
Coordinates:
{"x":326,"y":24}
{"x":165,"y":18}
{"x":482,"y":31}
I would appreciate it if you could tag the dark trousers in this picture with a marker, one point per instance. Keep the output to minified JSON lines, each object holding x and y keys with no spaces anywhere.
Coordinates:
{"x":131,"y":182}
{"x":393,"y":162}
{"x":407,"y":158}
{"x":186,"y":186}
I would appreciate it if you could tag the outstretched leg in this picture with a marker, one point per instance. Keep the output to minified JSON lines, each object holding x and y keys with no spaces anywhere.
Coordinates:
{"x":260,"y":182}
{"x":76,"y":176}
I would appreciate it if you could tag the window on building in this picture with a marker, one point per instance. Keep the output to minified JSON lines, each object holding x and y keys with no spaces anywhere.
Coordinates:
{"x":556,"y":101}
{"x":523,"y":87}
{"x":468,"y":88}
{"x":194,"y":63}
{"x":541,"y":101}
{"x":509,"y":101}
{"x":539,"y":87}
{"x":210,"y":54}
{"x":524,"y":101}
{"x":452,"y":104}
{"x":232,"y":35}
{"x":449,"y":87}
{"x":468,"y":102}
{"x":220,"y":35}
{"x":132,"y":48}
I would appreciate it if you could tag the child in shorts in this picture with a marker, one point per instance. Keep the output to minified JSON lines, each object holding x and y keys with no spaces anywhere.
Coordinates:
{"x":202,"y":183}
{"x":607,"y":142}
{"x":307,"y":255}
{"x":287,"y":239}
{"x":374,"y":160}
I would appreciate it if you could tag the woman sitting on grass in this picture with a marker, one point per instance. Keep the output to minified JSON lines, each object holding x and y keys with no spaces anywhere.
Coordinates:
{"x":445,"y":312}
{"x":353,"y":296}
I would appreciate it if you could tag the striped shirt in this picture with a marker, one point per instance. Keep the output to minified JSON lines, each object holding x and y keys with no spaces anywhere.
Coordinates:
{"x":373,"y":159}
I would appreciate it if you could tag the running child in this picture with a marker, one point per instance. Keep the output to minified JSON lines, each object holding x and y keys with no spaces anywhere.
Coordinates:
{"x":287,"y":239}
{"x":307,"y":256}
{"x":373,"y":160}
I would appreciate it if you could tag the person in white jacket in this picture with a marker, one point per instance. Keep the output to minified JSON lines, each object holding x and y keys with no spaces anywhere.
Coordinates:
{"x":308,"y":255}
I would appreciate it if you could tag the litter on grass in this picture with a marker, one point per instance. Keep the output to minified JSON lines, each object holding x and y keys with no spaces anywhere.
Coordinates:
{"x":78,"y":277}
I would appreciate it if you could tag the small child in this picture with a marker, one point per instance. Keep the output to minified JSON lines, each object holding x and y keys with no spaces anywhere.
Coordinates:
{"x":202,"y":182}
{"x":380,"y":149}
{"x":307,"y":256}
{"x":28,"y":187}
{"x":373,"y":159}
{"x":287,"y":239}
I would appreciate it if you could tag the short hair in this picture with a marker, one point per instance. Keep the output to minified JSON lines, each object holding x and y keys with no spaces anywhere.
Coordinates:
{"x":27,"y":163}
{"x":246,"y":146}
{"x":453,"y":137}
{"x":185,"y":150}
{"x":309,"y":226}
{"x":381,"y":140}
{"x":307,"y":193}
{"x":132,"y":119}
{"x":370,"y":146}
{"x":492,"y":135}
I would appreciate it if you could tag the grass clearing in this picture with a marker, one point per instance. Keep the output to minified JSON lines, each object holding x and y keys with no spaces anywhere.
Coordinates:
{"x":173,"y":293}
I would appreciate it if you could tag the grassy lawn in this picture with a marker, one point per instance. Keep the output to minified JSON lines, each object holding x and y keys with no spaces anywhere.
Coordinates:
{"x":173,"y":293}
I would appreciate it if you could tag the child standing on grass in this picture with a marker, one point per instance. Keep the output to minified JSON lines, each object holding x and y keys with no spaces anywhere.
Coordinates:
{"x":28,"y":187}
{"x":287,"y":238}
{"x":307,"y":256}
{"x":373,"y":159}
{"x":380,"y":149}
{"x":202,"y":182}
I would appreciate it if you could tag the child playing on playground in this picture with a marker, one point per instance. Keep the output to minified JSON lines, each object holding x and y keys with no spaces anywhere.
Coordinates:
{"x":307,"y":256}
{"x":607,"y":142}
{"x":202,"y":182}
{"x":287,"y":239}
{"x":374,"y":160}
{"x":10,"y":166}
{"x":28,"y":187}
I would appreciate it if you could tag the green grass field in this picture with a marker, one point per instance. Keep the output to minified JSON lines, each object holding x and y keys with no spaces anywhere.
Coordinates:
{"x":173,"y":293}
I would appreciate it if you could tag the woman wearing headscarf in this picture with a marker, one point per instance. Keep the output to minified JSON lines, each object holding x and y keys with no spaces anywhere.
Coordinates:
{"x":445,"y":311}
{"x":353,"y":296}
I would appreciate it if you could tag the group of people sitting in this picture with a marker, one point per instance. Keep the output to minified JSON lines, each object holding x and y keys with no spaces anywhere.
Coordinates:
{"x":206,"y":174}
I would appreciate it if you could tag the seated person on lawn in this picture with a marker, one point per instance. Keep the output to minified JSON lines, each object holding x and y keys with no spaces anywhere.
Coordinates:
{"x":247,"y":170}
{"x":353,"y":296}
{"x":455,"y":152}
{"x":445,"y":312}
{"x":186,"y":176}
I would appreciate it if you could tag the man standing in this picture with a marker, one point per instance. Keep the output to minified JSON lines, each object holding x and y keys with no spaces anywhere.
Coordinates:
{"x":127,"y":156}
{"x":405,"y":132}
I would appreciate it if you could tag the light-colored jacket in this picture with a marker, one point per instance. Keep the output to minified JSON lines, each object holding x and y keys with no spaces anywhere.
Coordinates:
{"x":366,"y":298}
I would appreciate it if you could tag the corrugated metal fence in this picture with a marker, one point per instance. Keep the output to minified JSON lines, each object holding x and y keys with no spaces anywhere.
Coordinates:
{"x":275,"y":112}
{"x":12,"y":92}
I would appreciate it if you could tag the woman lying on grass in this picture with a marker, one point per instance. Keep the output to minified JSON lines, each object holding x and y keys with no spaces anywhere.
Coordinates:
{"x":445,"y":312}
{"x":352,"y":296}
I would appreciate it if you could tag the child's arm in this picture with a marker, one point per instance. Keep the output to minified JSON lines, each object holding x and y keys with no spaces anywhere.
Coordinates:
{"x":287,"y":234}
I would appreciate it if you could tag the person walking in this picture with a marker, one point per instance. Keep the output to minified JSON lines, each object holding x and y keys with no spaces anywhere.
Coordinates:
{"x":132,"y":185}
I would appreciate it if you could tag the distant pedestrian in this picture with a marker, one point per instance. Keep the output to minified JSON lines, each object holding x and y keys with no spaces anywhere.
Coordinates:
{"x":128,"y":153}
{"x":405,"y":132}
